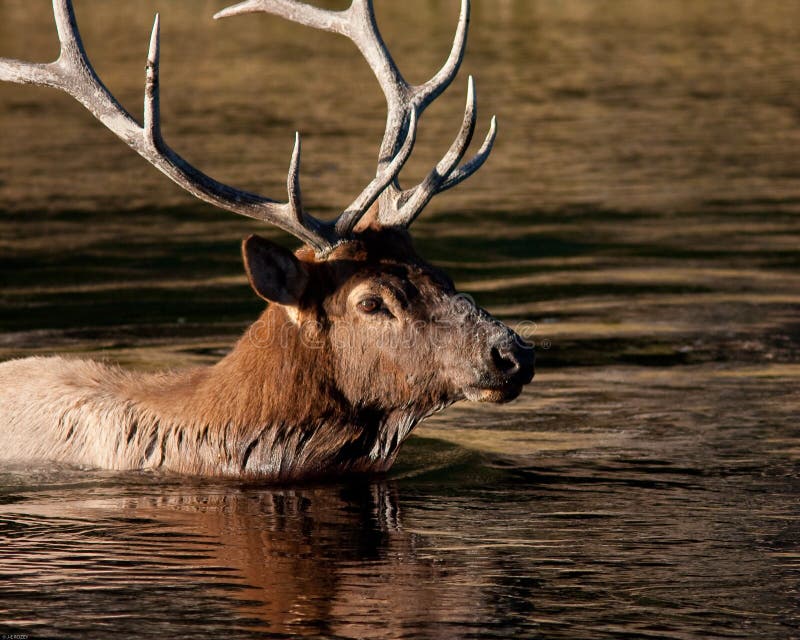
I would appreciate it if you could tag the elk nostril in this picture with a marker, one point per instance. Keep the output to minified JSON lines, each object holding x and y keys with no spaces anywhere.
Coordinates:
{"x":504,"y":361}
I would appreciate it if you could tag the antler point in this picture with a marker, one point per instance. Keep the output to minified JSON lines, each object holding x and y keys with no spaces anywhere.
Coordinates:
{"x":236,"y":9}
{"x":155,"y":34}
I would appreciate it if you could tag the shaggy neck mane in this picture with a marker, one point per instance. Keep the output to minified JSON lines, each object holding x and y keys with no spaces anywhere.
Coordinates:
{"x":269,"y":408}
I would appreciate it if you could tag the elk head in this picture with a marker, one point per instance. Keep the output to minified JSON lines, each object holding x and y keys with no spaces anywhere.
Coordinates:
{"x":391,"y":329}
{"x":387,"y":329}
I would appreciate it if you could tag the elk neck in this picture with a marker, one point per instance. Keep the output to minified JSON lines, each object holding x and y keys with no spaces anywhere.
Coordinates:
{"x":271,"y":408}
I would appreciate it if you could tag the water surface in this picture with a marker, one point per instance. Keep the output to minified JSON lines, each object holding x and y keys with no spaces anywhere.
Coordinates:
{"x":641,"y":208}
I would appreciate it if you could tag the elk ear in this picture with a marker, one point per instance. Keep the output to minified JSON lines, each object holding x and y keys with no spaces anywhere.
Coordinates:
{"x":274,"y":272}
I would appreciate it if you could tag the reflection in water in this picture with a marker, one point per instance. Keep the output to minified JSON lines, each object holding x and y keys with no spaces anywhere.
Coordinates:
{"x":623,"y":514}
{"x":301,"y":561}
{"x":641,"y":208}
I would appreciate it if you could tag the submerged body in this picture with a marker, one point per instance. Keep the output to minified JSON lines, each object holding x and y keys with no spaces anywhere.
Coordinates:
{"x":87,"y":413}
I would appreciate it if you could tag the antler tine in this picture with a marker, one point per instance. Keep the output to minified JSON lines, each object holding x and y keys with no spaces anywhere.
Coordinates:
{"x":152,"y":92}
{"x":433,"y":88}
{"x":348,"y":220}
{"x":401,"y":98}
{"x":293,"y":182}
{"x":475,"y":163}
{"x":73,"y":73}
{"x":412,"y":201}
{"x":445,"y":174}
{"x":404,"y":104}
{"x":357,"y":23}
{"x":291,"y":10}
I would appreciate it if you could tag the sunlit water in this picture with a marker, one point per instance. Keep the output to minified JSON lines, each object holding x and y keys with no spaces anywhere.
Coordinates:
{"x":641,"y":207}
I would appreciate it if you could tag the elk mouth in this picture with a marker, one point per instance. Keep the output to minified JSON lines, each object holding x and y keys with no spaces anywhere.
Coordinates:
{"x":510,"y":369}
{"x":496,"y":395}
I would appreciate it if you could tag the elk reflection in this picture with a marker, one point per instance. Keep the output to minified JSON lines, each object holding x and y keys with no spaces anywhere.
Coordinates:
{"x":304,"y":557}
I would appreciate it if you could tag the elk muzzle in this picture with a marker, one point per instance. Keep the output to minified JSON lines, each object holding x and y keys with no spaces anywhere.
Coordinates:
{"x":508,"y":365}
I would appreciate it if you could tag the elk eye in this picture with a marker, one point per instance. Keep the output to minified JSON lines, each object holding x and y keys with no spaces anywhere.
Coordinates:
{"x":370,"y":305}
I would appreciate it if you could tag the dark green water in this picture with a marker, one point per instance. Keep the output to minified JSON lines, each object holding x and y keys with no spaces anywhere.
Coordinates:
{"x":642,"y":208}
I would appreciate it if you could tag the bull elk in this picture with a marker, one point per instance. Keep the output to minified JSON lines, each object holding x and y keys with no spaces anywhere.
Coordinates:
{"x":360,"y":341}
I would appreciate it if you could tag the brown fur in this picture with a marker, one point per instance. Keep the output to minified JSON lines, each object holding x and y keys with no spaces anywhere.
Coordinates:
{"x":315,"y":386}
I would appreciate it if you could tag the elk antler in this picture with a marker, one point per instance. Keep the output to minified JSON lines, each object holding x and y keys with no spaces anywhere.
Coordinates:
{"x":73,"y":73}
{"x":398,"y":208}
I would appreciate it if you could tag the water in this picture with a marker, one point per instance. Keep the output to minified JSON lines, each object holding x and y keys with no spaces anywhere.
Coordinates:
{"x":641,"y":208}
